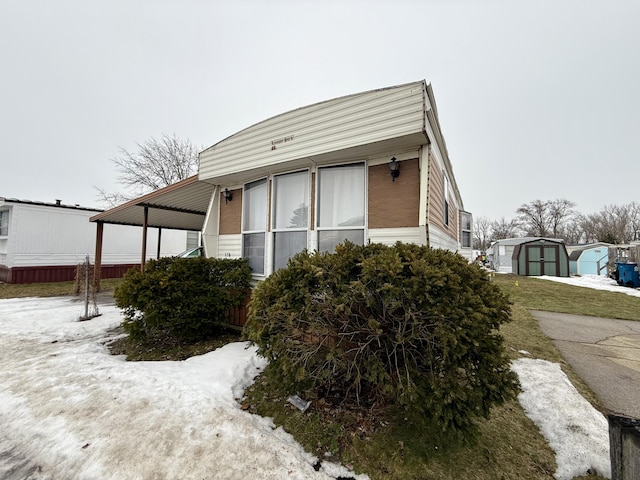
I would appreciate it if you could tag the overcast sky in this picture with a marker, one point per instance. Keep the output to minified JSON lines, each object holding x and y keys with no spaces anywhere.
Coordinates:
{"x":537,"y":99}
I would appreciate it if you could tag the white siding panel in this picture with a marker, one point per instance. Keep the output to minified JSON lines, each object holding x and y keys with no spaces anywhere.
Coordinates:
{"x":317,"y":129}
{"x":230,"y":246}
{"x":50,"y":231}
{"x":390,"y":236}
{"x":440,"y":239}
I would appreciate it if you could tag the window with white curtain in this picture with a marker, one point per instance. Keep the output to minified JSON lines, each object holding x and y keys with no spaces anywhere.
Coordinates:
{"x":254,"y":224}
{"x":290,"y":216}
{"x":341,"y":205}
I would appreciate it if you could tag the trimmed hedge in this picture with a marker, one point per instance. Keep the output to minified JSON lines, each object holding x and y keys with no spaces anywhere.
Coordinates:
{"x":181,"y":299}
{"x":377,"y":326}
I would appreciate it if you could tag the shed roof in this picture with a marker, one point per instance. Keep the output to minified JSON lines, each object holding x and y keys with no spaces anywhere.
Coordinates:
{"x":180,"y":206}
{"x":520,"y":240}
{"x":575,"y":255}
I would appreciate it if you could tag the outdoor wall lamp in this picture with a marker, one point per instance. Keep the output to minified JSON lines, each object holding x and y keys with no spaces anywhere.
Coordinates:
{"x":228,"y":196}
{"x":394,"y":166}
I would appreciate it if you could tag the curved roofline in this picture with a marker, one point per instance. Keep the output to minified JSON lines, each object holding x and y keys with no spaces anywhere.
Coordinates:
{"x":403,"y":85}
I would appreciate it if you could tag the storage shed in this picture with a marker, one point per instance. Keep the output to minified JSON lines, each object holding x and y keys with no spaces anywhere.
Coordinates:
{"x":500,"y":253}
{"x":589,"y":259}
{"x":542,"y":256}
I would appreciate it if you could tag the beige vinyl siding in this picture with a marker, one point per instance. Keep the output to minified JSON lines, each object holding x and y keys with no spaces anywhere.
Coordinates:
{"x":439,"y":238}
{"x":230,"y":246}
{"x":325,"y":127}
{"x":389,"y":236}
{"x":438,"y":230}
{"x":436,"y":196}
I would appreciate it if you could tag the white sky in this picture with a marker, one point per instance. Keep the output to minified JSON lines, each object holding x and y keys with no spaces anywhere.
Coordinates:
{"x":538,"y":99}
{"x":75,"y":411}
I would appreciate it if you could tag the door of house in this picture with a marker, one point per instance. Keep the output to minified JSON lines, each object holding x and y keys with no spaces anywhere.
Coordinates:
{"x":542,"y":260}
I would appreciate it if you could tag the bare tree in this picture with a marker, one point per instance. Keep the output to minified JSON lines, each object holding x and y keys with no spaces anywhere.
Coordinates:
{"x":589,"y":227}
{"x":481,"y":233}
{"x":573,"y":231}
{"x":534,"y":218}
{"x":545,"y":218}
{"x":157,"y":163}
{"x":503,"y":228}
{"x":559,"y":212}
{"x":634,"y":221}
{"x":612,"y":224}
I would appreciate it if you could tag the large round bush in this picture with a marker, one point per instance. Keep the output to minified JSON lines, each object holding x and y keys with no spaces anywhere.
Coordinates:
{"x":377,"y":325}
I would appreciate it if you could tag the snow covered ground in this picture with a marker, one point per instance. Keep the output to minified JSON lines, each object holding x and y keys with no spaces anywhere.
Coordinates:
{"x":68,"y":409}
{"x":597,"y":282}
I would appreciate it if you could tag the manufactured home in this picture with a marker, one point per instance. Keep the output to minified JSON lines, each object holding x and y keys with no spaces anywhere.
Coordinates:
{"x":44,"y":242}
{"x":368,"y":167}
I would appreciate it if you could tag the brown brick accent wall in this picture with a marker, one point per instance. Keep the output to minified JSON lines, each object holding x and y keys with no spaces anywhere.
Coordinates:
{"x":394,"y":204}
{"x":231,"y":214}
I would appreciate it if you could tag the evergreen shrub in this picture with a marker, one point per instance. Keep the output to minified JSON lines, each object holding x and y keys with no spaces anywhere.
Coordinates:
{"x":373,"y":325}
{"x":181,"y":299}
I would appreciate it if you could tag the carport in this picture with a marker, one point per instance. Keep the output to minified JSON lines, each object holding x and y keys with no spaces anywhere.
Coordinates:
{"x":181,"y":206}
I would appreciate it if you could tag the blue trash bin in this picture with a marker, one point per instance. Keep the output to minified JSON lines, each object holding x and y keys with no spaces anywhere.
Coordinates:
{"x":628,"y":274}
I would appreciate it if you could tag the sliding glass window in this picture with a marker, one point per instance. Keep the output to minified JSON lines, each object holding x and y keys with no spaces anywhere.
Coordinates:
{"x":341,"y":205}
{"x":290,"y":216}
{"x":254,"y":224}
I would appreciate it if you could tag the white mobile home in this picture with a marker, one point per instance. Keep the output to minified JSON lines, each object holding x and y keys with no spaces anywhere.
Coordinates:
{"x":44,"y":242}
{"x":368,"y":167}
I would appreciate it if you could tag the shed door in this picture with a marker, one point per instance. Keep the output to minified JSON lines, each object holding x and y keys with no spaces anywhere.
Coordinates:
{"x":542,"y":260}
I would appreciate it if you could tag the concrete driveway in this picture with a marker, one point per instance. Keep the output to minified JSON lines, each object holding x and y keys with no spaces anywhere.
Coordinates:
{"x":604,"y":352}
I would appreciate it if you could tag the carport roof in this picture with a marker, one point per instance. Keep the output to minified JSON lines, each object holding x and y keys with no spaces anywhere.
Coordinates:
{"x":180,"y":206}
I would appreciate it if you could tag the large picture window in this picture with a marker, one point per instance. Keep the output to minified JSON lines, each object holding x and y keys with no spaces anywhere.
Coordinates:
{"x":254,"y":224}
{"x":290,"y":216}
{"x":341,"y":205}
{"x":4,"y":223}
